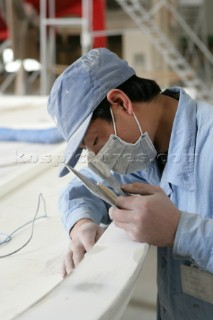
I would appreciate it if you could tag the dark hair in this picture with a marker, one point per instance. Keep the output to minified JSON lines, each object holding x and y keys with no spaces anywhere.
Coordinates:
{"x":136,"y":88}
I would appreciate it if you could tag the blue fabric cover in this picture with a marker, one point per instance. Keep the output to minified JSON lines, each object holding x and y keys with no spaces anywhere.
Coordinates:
{"x":50,"y":135}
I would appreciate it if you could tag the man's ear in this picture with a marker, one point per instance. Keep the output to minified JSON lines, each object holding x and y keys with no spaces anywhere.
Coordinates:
{"x":119,"y":98}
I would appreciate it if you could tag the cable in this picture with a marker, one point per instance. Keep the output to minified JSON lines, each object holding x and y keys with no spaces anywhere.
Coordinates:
{"x":9,"y":237}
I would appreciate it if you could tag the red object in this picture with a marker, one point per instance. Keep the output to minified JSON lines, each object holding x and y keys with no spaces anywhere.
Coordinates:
{"x":99,"y":18}
{"x":63,"y":7}
{"x":74,"y":7}
{"x":71,"y":7}
{"x":3,"y":29}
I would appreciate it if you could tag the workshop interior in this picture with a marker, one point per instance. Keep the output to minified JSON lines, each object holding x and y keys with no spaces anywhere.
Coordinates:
{"x":170,"y":41}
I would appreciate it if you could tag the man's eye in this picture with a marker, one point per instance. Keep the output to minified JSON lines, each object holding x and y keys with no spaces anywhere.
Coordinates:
{"x":95,"y":141}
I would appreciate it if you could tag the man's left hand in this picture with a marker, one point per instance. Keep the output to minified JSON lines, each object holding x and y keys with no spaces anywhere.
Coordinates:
{"x":148,"y":216}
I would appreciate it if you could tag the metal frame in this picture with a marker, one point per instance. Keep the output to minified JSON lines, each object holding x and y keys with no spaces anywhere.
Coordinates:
{"x":47,"y":53}
{"x":172,"y":55}
{"x":179,"y":63}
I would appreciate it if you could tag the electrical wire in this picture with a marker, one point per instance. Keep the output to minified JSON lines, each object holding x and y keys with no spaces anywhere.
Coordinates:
{"x":9,"y":237}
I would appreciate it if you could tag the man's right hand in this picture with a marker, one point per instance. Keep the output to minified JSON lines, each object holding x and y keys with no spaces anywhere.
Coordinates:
{"x":84,"y":234}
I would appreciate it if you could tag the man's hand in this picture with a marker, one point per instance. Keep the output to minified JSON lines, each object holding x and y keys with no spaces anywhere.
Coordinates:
{"x":148,"y":216}
{"x":84,"y":235}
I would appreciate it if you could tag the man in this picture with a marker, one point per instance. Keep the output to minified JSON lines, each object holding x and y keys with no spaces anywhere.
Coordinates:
{"x":159,"y":145}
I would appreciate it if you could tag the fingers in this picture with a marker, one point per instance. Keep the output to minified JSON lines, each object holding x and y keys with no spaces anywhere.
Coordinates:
{"x":128,"y":202}
{"x":63,"y":270}
{"x":83,"y":241}
{"x":100,"y":231}
{"x":78,"y":250}
{"x":88,"y":241}
{"x":68,"y":264}
{"x":91,"y":236}
{"x":120,"y":215}
{"x":140,"y":188}
{"x":73,"y":257}
{"x":88,"y":235}
{"x":151,"y":218}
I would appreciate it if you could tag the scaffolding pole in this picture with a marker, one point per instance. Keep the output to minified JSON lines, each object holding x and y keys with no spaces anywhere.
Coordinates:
{"x":86,"y":36}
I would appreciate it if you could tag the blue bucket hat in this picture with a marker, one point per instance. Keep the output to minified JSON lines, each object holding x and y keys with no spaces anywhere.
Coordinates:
{"x":79,"y":90}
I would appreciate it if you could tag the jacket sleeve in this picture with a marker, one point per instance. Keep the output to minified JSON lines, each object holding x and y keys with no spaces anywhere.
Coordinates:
{"x":194,"y":240}
{"x":77,"y":202}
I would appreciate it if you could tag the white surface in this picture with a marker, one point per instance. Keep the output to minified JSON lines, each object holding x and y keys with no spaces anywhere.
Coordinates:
{"x":100,"y":287}
{"x":20,"y":161}
{"x":18,"y":103}
{"x":17,"y":173}
{"x":32,"y":272}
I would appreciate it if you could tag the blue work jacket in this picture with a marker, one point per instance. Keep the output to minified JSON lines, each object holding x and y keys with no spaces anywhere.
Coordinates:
{"x":187,"y":179}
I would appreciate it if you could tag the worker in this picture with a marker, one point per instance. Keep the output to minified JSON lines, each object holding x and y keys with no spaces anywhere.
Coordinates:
{"x":158,"y":144}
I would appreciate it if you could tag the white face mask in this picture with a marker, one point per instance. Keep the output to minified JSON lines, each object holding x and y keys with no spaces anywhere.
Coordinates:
{"x":123,"y":157}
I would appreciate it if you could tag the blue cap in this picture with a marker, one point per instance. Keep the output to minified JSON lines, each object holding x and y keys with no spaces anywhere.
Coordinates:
{"x":79,"y":90}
